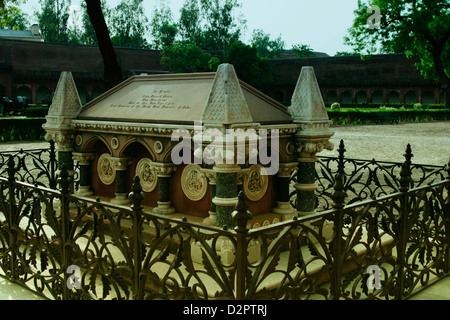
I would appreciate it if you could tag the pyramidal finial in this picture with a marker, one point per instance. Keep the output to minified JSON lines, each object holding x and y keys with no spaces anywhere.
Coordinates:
{"x":226,"y":103}
{"x":307,"y":102}
{"x":66,"y":101}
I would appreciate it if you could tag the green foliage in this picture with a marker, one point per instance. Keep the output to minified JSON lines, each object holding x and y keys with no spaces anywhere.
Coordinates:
{"x":369,"y":116}
{"x":129,"y":25}
{"x":265,"y":46}
{"x":17,"y":129}
{"x":53,"y":20}
{"x":248,"y":65}
{"x":183,"y":57}
{"x":302,"y":50}
{"x":163,"y":29}
{"x":36,"y":112}
{"x":12,"y":18}
{"x":418,"y":28}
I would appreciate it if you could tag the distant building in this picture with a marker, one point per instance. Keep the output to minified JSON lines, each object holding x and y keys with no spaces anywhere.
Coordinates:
{"x":33,"y":68}
{"x":33,"y":34}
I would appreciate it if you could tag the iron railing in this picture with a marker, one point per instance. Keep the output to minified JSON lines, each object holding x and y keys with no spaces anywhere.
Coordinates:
{"x":67,"y":247}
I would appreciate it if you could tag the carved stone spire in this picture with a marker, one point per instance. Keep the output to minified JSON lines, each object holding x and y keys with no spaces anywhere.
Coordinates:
{"x":307,"y":103}
{"x":65,"y":107}
{"x":226,"y":104}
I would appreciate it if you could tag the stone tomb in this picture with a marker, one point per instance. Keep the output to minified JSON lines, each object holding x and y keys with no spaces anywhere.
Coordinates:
{"x":172,"y":131}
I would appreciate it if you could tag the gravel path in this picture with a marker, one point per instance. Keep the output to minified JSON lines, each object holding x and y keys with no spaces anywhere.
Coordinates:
{"x":430,"y":142}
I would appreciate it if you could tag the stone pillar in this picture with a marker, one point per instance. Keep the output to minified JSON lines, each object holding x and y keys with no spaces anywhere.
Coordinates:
{"x":164,"y":172}
{"x":313,"y":135}
{"x":85,"y":162}
{"x":121,"y":166}
{"x":226,"y":193}
{"x":211,"y":176}
{"x":305,"y":186}
{"x":65,"y":107}
{"x":284,"y":206}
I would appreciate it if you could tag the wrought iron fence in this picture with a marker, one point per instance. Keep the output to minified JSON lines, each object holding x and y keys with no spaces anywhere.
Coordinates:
{"x":34,"y":166}
{"x":365,"y":179}
{"x":68,"y":247}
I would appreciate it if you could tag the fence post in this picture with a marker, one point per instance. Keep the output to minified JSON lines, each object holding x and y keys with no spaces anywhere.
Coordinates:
{"x":241,"y":216}
{"x":136,"y":196}
{"x":405,"y":181}
{"x":448,"y":219}
{"x":53,"y":165}
{"x":338,"y":197}
{"x":12,"y":218}
{"x":64,"y":182}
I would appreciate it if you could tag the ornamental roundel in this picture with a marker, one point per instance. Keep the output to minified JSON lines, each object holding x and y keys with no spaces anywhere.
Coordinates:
{"x":147,"y":174}
{"x":255,"y":184}
{"x":105,"y":168}
{"x":193,"y":182}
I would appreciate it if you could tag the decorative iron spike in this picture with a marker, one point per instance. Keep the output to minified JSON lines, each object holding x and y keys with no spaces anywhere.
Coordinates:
{"x":10,"y":167}
{"x":339,"y":193}
{"x":136,"y":195}
{"x":64,"y":179}
{"x":241,"y":215}
{"x":405,"y":172}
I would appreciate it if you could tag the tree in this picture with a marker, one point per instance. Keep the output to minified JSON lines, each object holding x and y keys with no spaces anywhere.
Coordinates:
{"x":417,"y":28}
{"x":302,"y":50}
{"x":248,"y":65}
{"x":53,"y":20}
{"x":265,"y":46}
{"x":222,"y":27}
{"x":189,"y":26}
{"x":11,"y":17}
{"x":129,"y":25}
{"x":184,"y":57}
{"x":163,"y":29}
{"x":112,"y":71}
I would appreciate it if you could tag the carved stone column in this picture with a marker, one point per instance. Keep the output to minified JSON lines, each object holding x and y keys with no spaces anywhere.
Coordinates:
{"x":85,"y":162}
{"x":313,"y":135}
{"x":211,"y":176}
{"x":284,"y":206}
{"x":226,"y":192}
{"x":121,"y":167}
{"x":164,"y":172}
{"x":65,"y":107}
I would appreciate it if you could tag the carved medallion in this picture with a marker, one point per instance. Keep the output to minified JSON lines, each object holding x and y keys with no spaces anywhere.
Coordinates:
{"x":105,"y":168}
{"x":147,"y":174}
{"x":255,"y":184}
{"x":193,"y":182}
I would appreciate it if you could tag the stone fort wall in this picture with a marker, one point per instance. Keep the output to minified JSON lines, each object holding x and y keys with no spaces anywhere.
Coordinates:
{"x":32,"y":69}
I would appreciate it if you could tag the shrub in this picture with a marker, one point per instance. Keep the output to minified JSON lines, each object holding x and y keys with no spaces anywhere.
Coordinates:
{"x":17,"y":129}
{"x":36,"y":112}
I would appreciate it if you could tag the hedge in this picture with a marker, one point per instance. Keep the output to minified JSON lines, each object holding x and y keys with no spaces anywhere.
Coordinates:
{"x":342,"y":117}
{"x":17,"y":129}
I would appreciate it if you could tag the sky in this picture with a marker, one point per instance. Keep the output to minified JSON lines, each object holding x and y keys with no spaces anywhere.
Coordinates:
{"x":321,"y":24}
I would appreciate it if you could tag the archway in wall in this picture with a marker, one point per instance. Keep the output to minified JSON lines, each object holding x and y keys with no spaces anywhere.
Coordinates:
{"x":96,"y":92}
{"x":411,"y":97}
{"x":24,"y":91}
{"x":82,"y":93}
{"x":394,"y":97}
{"x":361,"y":97}
{"x":2,"y":91}
{"x":377,"y":97}
{"x":43,"y":95}
{"x":346,"y":97}
{"x":428,"y":97}
{"x":332,"y":96}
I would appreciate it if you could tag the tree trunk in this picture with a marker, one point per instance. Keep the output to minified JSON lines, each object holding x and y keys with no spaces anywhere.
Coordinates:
{"x":112,"y":70}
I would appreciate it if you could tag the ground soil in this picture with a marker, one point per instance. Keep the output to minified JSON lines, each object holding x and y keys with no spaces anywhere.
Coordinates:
{"x":430,"y":142}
